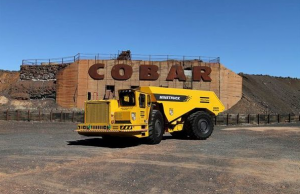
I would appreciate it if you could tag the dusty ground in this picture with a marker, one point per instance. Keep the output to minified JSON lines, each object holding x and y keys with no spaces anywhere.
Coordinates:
{"x":51,"y":158}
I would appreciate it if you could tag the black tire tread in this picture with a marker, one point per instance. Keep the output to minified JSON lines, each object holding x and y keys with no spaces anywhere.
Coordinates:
{"x":152,"y":139}
{"x":191,"y":130}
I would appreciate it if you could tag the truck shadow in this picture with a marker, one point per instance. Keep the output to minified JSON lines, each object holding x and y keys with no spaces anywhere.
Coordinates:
{"x":115,"y":143}
{"x":174,"y":138}
{"x":99,"y":142}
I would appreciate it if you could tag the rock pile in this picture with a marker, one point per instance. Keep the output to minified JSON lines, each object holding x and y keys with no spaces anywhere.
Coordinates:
{"x":40,"y":72}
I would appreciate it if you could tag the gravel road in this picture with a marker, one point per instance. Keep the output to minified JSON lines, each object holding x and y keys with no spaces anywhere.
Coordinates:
{"x":52,"y":158}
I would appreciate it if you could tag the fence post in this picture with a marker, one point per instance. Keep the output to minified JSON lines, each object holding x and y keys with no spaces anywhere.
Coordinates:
{"x":7,"y":115}
{"x":278,"y":118}
{"x":51,"y":115}
{"x":258,"y":119}
{"x":289,"y":117}
{"x":227,"y":119}
{"x":237,"y":118}
{"x":28,"y":115}
{"x":61,"y":115}
{"x":268,"y":118}
{"x":73,"y":116}
{"x":248,"y":118}
{"x":215,"y":120}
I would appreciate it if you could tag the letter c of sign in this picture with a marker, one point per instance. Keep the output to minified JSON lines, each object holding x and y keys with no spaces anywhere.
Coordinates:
{"x":93,"y":71}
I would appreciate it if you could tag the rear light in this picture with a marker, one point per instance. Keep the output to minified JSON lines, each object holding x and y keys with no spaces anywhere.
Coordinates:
{"x":112,"y":118}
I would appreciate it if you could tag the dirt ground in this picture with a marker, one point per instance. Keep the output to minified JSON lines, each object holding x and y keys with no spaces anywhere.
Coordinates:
{"x":52,"y":158}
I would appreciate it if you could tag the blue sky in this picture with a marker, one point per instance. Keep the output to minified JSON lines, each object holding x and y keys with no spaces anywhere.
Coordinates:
{"x":250,"y":36}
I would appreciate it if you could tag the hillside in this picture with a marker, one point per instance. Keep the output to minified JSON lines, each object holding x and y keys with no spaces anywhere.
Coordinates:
{"x":267,"y":94}
{"x":7,"y":79}
{"x":16,"y":94}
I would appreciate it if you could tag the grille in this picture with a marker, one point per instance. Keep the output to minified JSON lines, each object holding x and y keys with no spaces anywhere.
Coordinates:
{"x":97,"y":112}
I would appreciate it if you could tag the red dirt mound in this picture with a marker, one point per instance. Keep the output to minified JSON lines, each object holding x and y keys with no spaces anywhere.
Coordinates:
{"x":263,"y":94}
{"x":7,"y":79}
{"x":18,"y":94}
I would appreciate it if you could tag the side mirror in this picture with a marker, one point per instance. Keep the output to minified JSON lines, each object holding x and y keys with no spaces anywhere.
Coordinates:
{"x":148,"y":101}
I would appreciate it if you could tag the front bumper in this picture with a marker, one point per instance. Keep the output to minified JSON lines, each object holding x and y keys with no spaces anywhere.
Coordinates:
{"x":114,"y":129}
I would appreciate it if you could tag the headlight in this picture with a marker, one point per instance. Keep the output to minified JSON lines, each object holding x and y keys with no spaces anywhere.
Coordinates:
{"x":133,"y":116}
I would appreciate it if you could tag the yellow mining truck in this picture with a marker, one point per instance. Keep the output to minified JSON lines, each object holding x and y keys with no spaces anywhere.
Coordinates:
{"x":148,"y":112}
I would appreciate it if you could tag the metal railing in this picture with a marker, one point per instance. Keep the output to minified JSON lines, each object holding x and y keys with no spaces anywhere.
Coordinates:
{"x":98,"y":56}
{"x":52,"y":61}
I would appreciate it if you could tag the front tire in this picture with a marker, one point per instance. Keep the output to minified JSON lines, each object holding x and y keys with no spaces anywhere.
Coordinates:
{"x":199,"y":125}
{"x":156,"y":128}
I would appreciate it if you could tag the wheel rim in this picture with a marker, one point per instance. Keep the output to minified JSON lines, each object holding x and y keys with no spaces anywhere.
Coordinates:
{"x":158,"y":128}
{"x":203,"y":125}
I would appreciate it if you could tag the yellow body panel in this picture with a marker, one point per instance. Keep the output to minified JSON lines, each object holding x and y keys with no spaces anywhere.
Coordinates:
{"x":190,"y":99}
{"x":108,"y":117}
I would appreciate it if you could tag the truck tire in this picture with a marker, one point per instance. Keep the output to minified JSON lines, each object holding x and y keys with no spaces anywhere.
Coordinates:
{"x":156,"y":128}
{"x":199,"y":125}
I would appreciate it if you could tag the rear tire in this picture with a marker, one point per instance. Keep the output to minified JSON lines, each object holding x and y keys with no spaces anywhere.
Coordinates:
{"x":156,"y":128}
{"x":199,"y":125}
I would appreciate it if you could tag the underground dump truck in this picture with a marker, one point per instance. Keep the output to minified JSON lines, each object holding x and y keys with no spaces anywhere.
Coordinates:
{"x":148,"y":112}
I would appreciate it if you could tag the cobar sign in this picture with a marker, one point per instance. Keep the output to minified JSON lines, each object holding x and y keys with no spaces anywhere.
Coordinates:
{"x":150,"y":72}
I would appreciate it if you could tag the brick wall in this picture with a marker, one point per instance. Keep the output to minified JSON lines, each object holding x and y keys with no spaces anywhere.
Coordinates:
{"x":74,"y":82}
